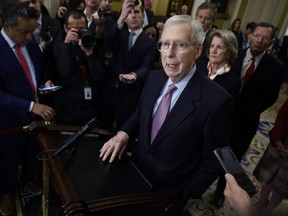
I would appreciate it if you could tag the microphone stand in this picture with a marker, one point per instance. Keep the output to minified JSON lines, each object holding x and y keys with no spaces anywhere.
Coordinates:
{"x":72,"y":140}
{"x":70,"y":155}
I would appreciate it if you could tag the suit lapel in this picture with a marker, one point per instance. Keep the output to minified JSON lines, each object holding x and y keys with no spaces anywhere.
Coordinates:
{"x":35,"y":59}
{"x":183,"y":107}
{"x":136,"y":46}
{"x":11,"y":57}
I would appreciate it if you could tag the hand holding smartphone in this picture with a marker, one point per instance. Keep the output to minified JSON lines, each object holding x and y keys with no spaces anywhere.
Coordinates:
{"x":231,"y":165}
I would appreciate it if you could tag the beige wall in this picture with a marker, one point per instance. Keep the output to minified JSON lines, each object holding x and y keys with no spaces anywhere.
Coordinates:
{"x":248,"y":10}
{"x":159,"y":6}
{"x":52,"y":6}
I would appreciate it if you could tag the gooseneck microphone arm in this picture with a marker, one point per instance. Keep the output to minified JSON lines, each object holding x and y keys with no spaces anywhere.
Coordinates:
{"x":74,"y":138}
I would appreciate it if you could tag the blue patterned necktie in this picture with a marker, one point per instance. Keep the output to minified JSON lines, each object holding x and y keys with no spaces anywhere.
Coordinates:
{"x":36,"y":34}
{"x":130,"y":40}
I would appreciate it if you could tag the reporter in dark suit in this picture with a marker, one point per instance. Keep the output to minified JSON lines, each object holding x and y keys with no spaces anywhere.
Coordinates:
{"x":129,"y":66}
{"x":19,"y":101}
{"x":179,"y":160}
{"x":258,"y":93}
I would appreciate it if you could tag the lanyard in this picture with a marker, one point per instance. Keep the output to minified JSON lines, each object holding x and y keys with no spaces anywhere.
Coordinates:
{"x":82,"y":68}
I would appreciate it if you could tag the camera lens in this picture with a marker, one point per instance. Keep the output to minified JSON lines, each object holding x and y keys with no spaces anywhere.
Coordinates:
{"x":87,"y":37}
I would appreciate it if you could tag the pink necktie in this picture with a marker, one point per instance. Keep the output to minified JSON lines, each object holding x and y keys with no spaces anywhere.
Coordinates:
{"x":249,"y":72}
{"x":25,"y":67}
{"x":162,"y":111}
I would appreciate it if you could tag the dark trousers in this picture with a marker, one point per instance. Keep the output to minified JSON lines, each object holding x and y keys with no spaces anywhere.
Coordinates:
{"x":13,"y":150}
{"x":244,"y":129}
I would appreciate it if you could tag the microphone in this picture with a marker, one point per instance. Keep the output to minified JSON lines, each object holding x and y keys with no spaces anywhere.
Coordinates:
{"x":74,"y":138}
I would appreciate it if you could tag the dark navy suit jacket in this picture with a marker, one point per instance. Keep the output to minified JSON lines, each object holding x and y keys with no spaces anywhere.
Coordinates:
{"x":180,"y":159}
{"x":15,"y":99}
{"x":260,"y":93}
{"x":140,"y":59}
{"x":15,"y":90}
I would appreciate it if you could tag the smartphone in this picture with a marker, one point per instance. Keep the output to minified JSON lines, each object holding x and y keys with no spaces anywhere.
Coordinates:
{"x":50,"y":88}
{"x":125,"y":79}
{"x":231,"y":165}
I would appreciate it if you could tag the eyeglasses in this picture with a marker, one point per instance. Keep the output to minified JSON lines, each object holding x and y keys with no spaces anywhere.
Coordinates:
{"x":70,"y":27}
{"x":261,"y":37}
{"x":178,"y":46}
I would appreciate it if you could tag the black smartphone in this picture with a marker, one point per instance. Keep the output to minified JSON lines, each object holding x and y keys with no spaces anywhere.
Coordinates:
{"x":231,"y":165}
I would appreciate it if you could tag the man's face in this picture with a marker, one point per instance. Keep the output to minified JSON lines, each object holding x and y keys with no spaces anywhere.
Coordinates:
{"x":23,"y":32}
{"x":34,"y":4}
{"x":106,"y":5}
{"x":184,"y":9}
{"x":93,"y":3}
{"x":151,"y":32}
{"x":135,"y":19}
{"x":148,"y":3}
{"x":260,"y":40}
{"x":178,"y":63}
{"x":204,"y":16}
{"x":75,"y":23}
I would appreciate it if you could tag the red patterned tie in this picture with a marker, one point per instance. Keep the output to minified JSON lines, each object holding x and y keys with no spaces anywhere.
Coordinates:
{"x":249,"y":72}
{"x":162,"y":111}
{"x":25,"y":67}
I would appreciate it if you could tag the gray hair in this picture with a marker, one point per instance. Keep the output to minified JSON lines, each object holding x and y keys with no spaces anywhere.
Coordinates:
{"x":197,"y":33}
{"x":230,"y":41}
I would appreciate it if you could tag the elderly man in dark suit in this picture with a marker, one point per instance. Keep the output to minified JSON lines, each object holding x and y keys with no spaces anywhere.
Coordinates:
{"x":177,"y":157}
{"x":134,"y":53}
{"x":261,"y":76}
{"x":20,"y":76}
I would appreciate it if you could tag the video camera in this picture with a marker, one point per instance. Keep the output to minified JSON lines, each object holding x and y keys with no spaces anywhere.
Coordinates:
{"x":87,"y":37}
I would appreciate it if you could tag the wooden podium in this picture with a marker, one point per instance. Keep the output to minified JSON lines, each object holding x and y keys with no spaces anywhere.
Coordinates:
{"x":88,"y":186}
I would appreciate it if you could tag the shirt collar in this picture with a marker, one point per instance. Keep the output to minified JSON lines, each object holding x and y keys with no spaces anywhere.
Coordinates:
{"x":7,"y":38}
{"x":39,"y":20}
{"x":137,"y":32}
{"x":249,"y":56}
{"x":212,"y":74}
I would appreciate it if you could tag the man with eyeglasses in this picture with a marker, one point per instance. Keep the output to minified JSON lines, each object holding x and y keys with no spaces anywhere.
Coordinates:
{"x":21,"y":75}
{"x":260,"y":90}
{"x":181,"y":118}
{"x":80,"y":72}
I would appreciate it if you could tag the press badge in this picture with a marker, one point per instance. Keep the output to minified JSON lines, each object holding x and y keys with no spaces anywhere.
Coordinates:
{"x":87,"y":93}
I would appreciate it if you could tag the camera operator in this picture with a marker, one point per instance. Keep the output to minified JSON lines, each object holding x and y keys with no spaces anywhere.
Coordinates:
{"x":80,"y":73}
